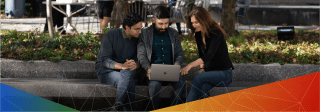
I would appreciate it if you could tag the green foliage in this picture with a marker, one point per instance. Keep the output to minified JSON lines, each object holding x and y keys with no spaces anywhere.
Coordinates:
{"x":237,"y":40}
{"x":249,"y":47}
{"x":105,"y":29}
{"x":28,"y":7}
{"x":39,"y":46}
{"x":2,"y":6}
{"x":190,"y":50}
{"x":263,"y":47}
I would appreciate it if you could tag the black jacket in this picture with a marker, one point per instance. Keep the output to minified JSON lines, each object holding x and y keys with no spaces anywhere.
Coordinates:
{"x":215,"y":56}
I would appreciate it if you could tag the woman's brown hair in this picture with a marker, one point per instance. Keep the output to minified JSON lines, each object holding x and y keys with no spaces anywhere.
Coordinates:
{"x":206,"y":21}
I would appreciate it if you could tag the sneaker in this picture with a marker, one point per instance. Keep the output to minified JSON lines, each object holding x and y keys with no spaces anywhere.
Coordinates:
{"x":117,"y":107}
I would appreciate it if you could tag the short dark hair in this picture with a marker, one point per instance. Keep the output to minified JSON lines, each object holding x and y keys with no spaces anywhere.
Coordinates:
{"x":131,"y":19}
{"x":161,"y":12}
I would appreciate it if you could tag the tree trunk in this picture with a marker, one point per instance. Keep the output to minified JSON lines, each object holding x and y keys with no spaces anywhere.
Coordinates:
{"x":228,"y":17}
{"x":49,"y":18}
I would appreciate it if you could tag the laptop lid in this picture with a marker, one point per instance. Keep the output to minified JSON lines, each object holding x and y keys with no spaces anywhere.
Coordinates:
{"x":161,"y":72}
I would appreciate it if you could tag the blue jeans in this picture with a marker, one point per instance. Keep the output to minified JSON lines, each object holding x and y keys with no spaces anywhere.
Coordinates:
{"x":240,"y":11}
{"x":178,"y":27}
{"x":125,"y":84}
{"x":178,"y":24}
{"x":154,"y":91}
{"x":203,"y":82}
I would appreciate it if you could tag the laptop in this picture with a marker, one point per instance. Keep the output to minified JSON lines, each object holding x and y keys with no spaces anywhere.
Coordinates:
{"x":161,"y":72}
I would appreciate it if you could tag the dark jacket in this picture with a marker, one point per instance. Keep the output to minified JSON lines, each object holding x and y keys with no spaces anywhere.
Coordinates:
{"x":116,"y":48}
{"x":145,"y":47}
{"x":215,"y":56}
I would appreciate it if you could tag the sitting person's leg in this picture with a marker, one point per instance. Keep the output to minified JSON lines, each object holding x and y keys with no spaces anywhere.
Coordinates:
{"x":129,"y":93}
{"x":216,"y":78}
{"x":206,"y":87}
{"x":179,"y":89}
{"x":130,"y":100}
{"x":154,"y":93}
{"x":123,"y":80}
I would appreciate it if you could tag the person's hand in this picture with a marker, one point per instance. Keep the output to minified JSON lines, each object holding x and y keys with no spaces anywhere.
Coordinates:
{"x":132,"y":64}
{"x":202,"y":66}
{"x":125,"y":65}
{"x":148,"y":73}
{"x":201,"y":70}
{"x":185,"y":70}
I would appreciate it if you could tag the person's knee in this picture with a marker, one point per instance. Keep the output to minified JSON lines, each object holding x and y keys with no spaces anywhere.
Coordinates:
{"x":154,"y":85}
{"x":197,"y":77}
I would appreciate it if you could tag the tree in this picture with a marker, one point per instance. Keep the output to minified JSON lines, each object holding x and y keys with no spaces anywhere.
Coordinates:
{"x":228,"y":17}
{"x":49,"y":18}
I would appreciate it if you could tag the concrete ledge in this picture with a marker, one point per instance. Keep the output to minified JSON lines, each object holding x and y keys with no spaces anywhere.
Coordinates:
{"x":83,"y":69}
{"x":84,"y":88}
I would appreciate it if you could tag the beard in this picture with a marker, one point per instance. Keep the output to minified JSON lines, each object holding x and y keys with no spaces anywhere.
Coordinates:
{"x":160,"y":31}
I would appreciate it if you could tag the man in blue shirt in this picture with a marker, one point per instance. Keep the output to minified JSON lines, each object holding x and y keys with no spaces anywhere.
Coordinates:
{"x":117,"y":61}
{"x":161,"y":45}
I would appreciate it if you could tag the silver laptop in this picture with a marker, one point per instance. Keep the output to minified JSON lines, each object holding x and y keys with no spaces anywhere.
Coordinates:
{"x":161,"y":72}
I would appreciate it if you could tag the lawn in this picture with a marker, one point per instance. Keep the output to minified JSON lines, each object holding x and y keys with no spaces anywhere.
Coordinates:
{"x":249,"y":47}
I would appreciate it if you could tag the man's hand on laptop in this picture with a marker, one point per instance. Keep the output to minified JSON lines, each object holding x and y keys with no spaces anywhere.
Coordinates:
{"x":148,"y":73}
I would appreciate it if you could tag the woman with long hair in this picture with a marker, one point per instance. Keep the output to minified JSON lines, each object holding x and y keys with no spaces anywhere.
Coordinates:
{"x":213,"y":52}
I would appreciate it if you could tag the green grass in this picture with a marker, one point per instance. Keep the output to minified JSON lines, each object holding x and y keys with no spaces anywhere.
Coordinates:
{"x":236,"y":40}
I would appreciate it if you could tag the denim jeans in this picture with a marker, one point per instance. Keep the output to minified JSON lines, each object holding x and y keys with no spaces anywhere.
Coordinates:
{"x":240,"y":12}
{"x":178,"y":27}
{"x":178,"y":24}
{"x":203,"y":82}
{"x":154,"y":91}
{"x":125,"y":84}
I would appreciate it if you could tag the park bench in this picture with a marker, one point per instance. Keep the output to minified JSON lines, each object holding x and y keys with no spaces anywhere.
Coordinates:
{"x":78,"y":80}
{"x":46,"y":79}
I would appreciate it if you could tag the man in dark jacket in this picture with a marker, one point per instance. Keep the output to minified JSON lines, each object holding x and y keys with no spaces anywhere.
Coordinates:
{"x":117,"y":61}
{"x":161,"y":45}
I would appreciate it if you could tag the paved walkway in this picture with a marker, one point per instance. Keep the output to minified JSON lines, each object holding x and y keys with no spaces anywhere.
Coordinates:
{"x":83,"y":24}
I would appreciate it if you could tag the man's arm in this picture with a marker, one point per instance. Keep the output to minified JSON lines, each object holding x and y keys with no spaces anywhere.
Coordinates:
{"x":142,"y":54}
{"x":178,"y":50}
{"x":106,"y":53}
{"x":137,"y":62}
